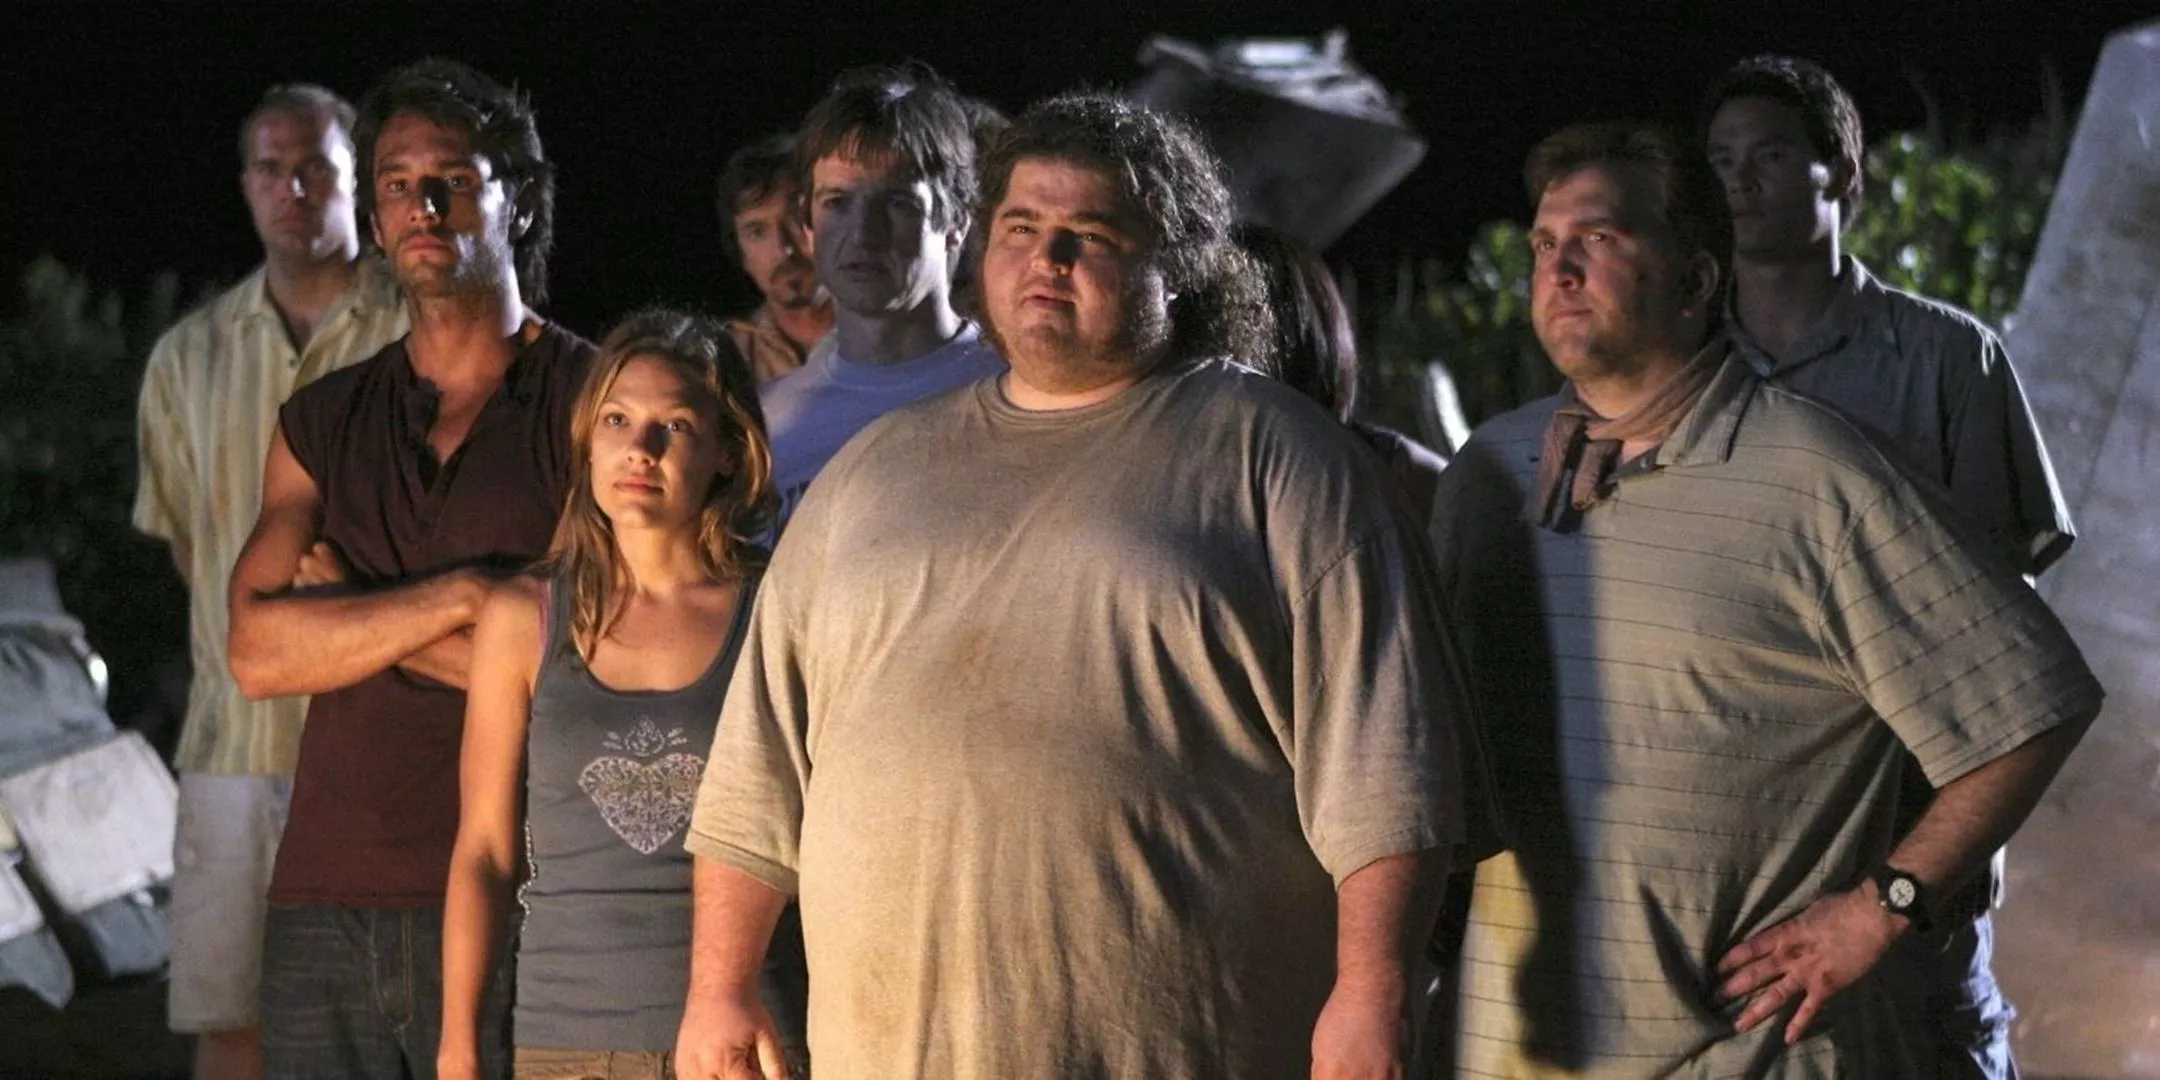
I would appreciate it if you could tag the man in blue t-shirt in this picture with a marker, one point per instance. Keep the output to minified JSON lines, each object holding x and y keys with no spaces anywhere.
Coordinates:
{"x":887,"y":162}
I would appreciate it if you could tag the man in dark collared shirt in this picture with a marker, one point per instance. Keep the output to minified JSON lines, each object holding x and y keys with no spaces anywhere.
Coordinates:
{"x":1931,"y":378}
{"x":395,"y":491}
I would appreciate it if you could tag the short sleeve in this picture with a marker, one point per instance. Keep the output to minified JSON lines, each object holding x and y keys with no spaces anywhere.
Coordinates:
{"x":1483,"y":554}
{"x":1953,"y":650}
{"x":749,"y":808}
{"x":1379,"y":709}
{"x":303,"y":421}
{"x":2000,"y":474}
{"x":166,"y":480}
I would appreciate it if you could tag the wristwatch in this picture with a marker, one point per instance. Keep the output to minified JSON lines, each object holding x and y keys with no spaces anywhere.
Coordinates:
{"x":1900,"y":893}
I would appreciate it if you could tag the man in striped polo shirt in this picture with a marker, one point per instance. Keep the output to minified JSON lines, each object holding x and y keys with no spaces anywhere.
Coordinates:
{"x":1703,"y":616}
{"x":209,"y":403}
{"x":1935,"y":381}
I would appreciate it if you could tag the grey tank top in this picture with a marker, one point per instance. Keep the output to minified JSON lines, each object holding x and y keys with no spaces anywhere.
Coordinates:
{"x":603,"y":961}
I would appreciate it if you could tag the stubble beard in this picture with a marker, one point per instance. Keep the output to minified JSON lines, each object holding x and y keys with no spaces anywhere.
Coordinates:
{"x":475,"y":275}
{"x":1057,"y":361}
{"x":793,"y":287}
{"x":1584,"y":352}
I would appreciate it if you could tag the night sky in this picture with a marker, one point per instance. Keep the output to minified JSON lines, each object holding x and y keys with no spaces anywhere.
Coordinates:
{"x":120,"y":119}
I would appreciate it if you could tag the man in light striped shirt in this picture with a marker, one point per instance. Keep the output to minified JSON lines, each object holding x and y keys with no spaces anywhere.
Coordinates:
{"x":1702,"y":616}
{"x":209,"y":403}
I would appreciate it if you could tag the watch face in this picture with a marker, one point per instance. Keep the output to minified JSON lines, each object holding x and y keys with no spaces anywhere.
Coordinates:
{"x":1901,"y":894}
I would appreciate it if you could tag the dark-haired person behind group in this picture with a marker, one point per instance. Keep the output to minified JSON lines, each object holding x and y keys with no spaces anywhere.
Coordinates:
{"x":1786,"y":139}
{"x":1704,"y":615}
{"x":761,"y":228}
{"x":1049,"y":713}
{"x":1315,"y":352}
{"x":597,"y":681}
{"x":396,"y":493}
{"x":986,"y":122}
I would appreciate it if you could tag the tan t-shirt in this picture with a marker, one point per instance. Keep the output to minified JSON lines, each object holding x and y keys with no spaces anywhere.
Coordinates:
{"x":1694,"y":697}
{"x":1064,"y":726}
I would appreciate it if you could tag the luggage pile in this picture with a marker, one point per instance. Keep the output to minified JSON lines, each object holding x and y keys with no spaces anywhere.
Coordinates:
{"x":87,"y":811}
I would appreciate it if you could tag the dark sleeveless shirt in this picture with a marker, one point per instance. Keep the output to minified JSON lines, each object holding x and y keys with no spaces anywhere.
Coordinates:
{"x":375,"y":799}
{"x":610,"y":779}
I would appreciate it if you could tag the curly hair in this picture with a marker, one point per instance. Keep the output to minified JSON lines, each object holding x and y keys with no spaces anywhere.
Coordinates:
{"x":1827,"y":112}
{"x":1173,"y":183}
{"x":501,"y":124}
{"x":907,"y":112}
{"x":739,"y":504}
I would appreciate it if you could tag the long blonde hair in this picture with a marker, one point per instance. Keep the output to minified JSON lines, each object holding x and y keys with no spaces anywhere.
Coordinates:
{"x":737,"y":507}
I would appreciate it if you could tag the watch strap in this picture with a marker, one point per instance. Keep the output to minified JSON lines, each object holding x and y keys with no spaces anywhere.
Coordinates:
{"x":1900,"y":893}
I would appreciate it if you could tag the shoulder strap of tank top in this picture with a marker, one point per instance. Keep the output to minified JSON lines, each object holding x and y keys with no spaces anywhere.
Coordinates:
{"x":738,"y":627}
{"x":555,"y":597}
{"x":547,"y":623}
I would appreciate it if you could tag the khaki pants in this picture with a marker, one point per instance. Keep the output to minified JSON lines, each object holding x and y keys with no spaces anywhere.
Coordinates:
{"x":529,"y":1063}
{"x":224,"y":847}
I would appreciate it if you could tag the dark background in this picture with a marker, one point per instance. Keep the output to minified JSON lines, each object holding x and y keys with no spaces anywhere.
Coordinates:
{"x":118,"y":130}
{"x":119,"y":120}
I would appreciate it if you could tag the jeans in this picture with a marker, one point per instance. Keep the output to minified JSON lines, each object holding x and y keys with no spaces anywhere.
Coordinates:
{"x":1966,"y":1010}
{"x":357,"y":993}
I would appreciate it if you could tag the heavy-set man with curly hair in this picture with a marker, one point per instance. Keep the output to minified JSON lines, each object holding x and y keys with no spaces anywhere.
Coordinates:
{"x":395,"y":492}
{"x":1096,"y":712}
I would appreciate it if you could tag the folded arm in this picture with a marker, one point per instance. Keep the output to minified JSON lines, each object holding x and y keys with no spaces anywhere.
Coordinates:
{"x":285,"y":642}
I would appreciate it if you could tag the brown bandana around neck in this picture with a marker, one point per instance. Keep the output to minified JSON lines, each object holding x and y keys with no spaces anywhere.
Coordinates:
{"x":1578,"y":436}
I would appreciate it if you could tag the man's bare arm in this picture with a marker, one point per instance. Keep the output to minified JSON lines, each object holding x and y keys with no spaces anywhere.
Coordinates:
{"x":726,"y":1033}
{"x":1975,"y":815}
{"x":448,"y":660}
{"x":1384,"y":912}
{"x":1838,"y":938}
{"x":284,"y":643}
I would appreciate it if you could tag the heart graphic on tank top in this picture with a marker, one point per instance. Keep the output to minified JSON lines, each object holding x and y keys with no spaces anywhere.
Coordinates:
{"x":644,"y":801}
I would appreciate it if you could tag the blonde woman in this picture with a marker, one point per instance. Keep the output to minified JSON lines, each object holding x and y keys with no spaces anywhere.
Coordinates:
{"x":596,"y":684}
